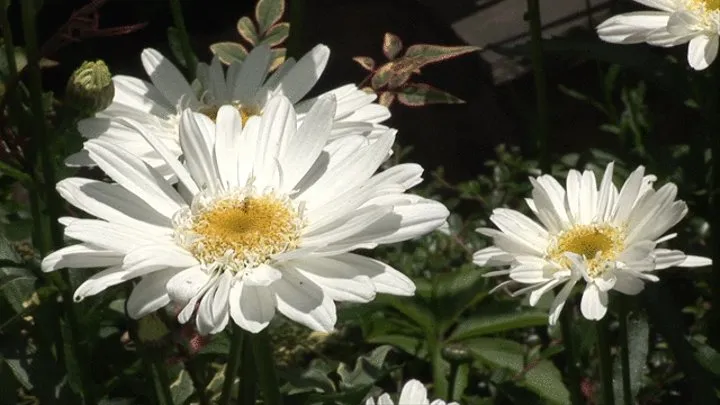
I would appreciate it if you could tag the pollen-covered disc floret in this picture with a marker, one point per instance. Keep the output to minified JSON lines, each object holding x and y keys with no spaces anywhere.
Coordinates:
{"x":599,"y":244}
{"x":240,"y":230}
{"x":671,"y":23}
{"x":264,"y":218}
{"x":607,"y":237}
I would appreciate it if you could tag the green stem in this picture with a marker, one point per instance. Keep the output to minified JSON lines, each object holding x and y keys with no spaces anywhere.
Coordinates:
{"x":265,"y":365}
{"x":232,"y":365}
{"x":624,"y":351}
{"x":162,"y":381}
{"x":248,"y":390}
{"x":440,"y":380}
{"x":572,"y":369}
{"x":543,"y":121}
{"x":606,"y":372}
{"x":195,"y":373}
{"x":177,"y":15}
{"x":453,"y":375}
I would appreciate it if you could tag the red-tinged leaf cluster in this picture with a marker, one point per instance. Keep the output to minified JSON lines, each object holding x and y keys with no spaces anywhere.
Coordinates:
{"x":265,"y":29}
{"x":391,"y":80}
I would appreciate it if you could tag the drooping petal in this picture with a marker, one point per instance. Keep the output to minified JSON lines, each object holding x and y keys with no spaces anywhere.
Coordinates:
{"x":702,"y":51}
{"x":149,"y":294}
{"x":594,"y":302}
{"x":251,"y":307}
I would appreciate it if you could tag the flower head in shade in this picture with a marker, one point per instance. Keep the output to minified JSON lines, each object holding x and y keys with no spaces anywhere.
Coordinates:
{"x":413,"y":393}
{"x":247,"y":86}
{"x":607,"y":237}
{"x":264,"y":218}
{"x":671,"y":23}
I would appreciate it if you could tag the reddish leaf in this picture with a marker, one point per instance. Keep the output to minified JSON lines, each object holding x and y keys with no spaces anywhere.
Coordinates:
{"x":425,"y":54}
{"x":229,"y":52}
{"x":365,"y":62}
{"x":268,"y":12}
{"x":277,"y":34}
{"x":246,"y":28}
{"x":392,"y":45}
{"x":419,"y":94}
{"x":386,"y":98}
{"x":382,"y":76}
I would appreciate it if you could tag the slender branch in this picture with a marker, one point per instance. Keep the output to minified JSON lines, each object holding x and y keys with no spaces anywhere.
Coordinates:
{"x":543,"y":126}
{"x":572,"y":369}
{"x":232,"y":365}
{"x":606,"y":373}
{"x":265,"y":365}
{"x":177,"y":15}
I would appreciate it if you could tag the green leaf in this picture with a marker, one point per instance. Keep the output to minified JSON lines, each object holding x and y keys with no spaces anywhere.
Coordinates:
{"x":17,"y":283}
{"x":708,"y":357}
{"x":425,"y":54}
{"x":365,"y":62}
{"x":368,"y":369}
{"x":420,"y":94}
{"x":246,"y":28}
{"x":540,"y":377}
{"x":495,"y":323}
{"x":382,"y":76}
{"x":414,"y":309}
{"x":181,"y":387}
{"x":277,"y":34}
{"x":453,"y":293}
{"x":312,"y":379}
{"x":229,"y":52}
{"x":268,"y":12}
{"x":638,"y":338}
{"x":392,"y":45}
{"x":173,"y":36}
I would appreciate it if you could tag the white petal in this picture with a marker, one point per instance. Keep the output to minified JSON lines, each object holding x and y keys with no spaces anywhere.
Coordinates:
{"x":537,"y":294}
{"x":559,"y":302}
{"x":167,"y":78}
{"x":628,"y":195}
{"x":149,"y":294}
{"x":82,"y":255}
{"x":337,"y":279}
{"x":186,"y":284}
{"x":250,"y":75}
{"x":386,"y":279}
{"x":520,"y":227}
{"x":277,"y":125}
{"x":702,"y":51}
{"x":695,"y":261}
{"x":491,"y":256}
{"x":198,"y":157}
{"x":252,"y":308}
{"x":303,"y":301}
{"x":141,"y":95}
{"x":157,"y":256}
{"x":605,"y":196}
{"x":306,"y":72}
{"x":227,"y":143}
{"x":110,"y":236}
{"x":594,"y":302}
{"x":99,"y":282}
{"x":631,"y":28}
{"x":413,"y":392}
{"x":627,"y":283}
{"x":261,"y":276}
{"x":682,"y":23}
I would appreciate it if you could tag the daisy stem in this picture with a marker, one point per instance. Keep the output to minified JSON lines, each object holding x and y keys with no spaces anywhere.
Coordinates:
{"x":439,"y":364}
{"x":573,"y":371}
{"x":45,"y":187}
{"x":606,"y":373}
{"x":233,"y":363}
{"x":248,"y":389}
{"x":162,"y":381}
{"x":542,"y":124}
{"x":177,"y":16}
{"x":265,"y":366}
{"x":624,"y":351}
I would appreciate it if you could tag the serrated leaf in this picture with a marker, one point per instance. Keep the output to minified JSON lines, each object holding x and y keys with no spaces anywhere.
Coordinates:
{"x":420,"y":94}
{"x":277,"y":34}
{"x":392,"y":45}
{"x":277,"y":58}
{"x":365,"y":62}
{"x":425,"y":54}
{"x":268,"y":12}
{"x":229,"y":52}
{"x":246,"y":28}
{"x":541,"y":377}
{"x":386,"y":98}
{"x":496,"y":323}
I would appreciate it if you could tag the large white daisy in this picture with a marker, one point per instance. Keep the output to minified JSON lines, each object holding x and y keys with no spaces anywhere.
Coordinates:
{"x":264,"y":217}
{"x":245,"y":85}
{"x":413,"y":393}
{"x":675,"y":22}
{"x":606,"y":237}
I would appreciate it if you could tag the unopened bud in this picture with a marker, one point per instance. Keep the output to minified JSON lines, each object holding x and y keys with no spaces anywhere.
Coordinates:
{"x":152,"y":330}
{"x":90,"y":88}
{"x":456,"y":353}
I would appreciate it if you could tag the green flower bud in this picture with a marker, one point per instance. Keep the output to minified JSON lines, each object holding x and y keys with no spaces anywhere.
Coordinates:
{"x":456,"y":353}
{"x":90,"y":88}
{"x":152,"y":330}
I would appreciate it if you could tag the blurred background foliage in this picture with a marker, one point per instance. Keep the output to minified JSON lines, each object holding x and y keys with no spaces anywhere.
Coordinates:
{"x":629,"y":104}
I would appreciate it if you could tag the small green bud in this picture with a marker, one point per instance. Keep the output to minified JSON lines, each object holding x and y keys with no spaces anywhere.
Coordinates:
{"x":90,"y":88}
{"x":152,"y":330}
{"x":456,"y":353}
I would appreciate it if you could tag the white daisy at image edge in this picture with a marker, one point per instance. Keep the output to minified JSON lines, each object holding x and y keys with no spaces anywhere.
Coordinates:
{"x":606,"y":237}
{"x":246,"y":86}
{"x":413,"y":393}
{"x":264,"y":219}
{"x":671,"y":23}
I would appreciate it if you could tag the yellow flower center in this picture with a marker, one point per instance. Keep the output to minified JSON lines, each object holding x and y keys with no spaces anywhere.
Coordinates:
{"x":244,"y":232}
{"x":710,"y":5}
{"x":246,"y":111}
{"x":599,"y":244}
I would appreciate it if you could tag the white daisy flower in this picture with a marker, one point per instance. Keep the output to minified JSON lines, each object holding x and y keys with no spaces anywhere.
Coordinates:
{"x":675,"y":22}
{"x":265,"y":217}
{"x":606,"y":237}
{"x":245,"y":85}
{"x":413,"y":393}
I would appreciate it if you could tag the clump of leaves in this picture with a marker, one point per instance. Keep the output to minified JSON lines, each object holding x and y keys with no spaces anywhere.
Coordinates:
{"x":391,"y":81}
{"x":266,"y":29}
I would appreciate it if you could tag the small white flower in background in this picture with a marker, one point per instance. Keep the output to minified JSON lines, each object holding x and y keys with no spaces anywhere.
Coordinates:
{"x":245,"y":85}
{"x":264,"y":218}
{"x":413,"y":393}
{"x":675,"y":22}
{"x":606,"y":237}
